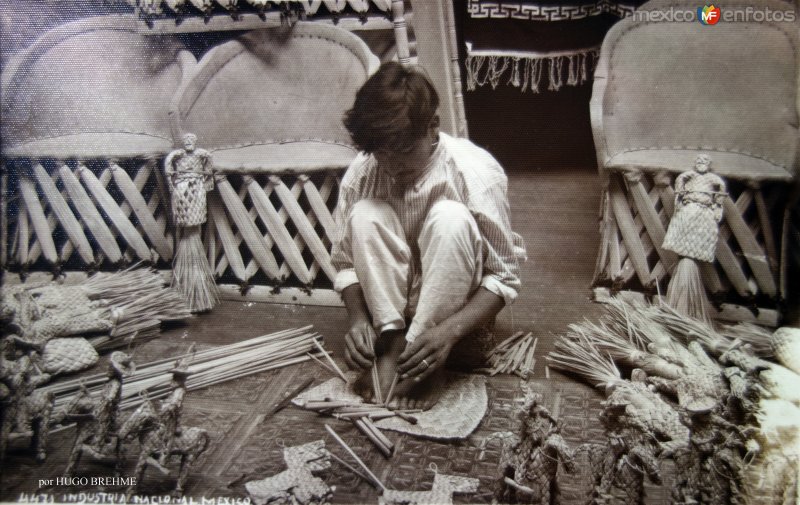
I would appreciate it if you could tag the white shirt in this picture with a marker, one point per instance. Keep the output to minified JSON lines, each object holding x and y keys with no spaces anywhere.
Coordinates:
{"x":459,"y":171}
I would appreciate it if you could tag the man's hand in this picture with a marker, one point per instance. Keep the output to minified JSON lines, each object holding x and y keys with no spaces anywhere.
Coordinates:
{"x":426,"y":354}
{"x":360,"y":341}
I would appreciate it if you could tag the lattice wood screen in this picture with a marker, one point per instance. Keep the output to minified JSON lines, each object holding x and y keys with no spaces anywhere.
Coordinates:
{"x":102,"y":214}
{"x":749,"y":261}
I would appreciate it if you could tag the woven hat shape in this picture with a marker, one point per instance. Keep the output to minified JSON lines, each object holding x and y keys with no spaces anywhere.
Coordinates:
{"x":274,"y":99}
{"x":92,"y":88}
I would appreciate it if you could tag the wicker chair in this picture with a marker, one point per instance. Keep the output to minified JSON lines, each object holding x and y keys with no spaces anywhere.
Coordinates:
{"x":665,"y":92}
{"x":84,"y":117}
{"x":277,"y":137}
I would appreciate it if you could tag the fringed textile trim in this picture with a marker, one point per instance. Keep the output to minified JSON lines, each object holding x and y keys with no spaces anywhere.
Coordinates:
{"x":518,"y":10}
{"x":525,"y":70}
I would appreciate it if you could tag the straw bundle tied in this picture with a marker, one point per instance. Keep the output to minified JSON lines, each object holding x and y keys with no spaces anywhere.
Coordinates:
{"x":109,"y":309}
{"x":138,"y":302}
{"x":208,"y":367}
{"x":578,"y":354}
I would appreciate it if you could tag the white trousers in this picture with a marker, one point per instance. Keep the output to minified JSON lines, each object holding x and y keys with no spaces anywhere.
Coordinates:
{"x":450,"y":259}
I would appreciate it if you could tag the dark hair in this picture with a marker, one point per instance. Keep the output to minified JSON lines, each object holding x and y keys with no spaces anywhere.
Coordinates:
{"x":392,"y":110}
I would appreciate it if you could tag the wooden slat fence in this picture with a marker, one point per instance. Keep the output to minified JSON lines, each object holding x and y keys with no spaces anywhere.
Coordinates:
{"x":262,"y":230}
{"x":637,"y":208}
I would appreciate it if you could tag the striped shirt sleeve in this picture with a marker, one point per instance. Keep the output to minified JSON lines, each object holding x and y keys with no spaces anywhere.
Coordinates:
{"x":501,"y":266}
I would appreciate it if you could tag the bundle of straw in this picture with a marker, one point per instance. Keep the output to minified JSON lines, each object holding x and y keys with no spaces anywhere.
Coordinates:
{"x":578,"y":354}
{"x":109,"y":309}
{"x":688,"y":329}
{"x":514,"y":355}
{"x":208,"y":367}
{"x":757,"y":338}
{"x":138,"y":301}
{"x":622,"y":350}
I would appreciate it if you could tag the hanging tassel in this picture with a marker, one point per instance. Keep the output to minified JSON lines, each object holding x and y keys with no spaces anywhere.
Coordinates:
{"x":536,"y":74}
{"x":497,"y":66}
{"x":474,"y":65}
{"x":514,"y":81}
{"x":584,"y":69}
{"x":556,"y":73}
{"x":572,"y":79}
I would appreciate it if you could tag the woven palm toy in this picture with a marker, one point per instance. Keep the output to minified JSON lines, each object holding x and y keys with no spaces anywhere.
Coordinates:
{"x":189,"y":177}
{"x":66,"y":355}
{"x":692,"y":234}
{"x":296,"y":484}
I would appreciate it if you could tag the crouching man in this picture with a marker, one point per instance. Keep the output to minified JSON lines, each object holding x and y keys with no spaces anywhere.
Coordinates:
{"x":425,"y":252}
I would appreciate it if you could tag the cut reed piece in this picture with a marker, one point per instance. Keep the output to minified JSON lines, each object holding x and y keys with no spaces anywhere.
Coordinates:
{"x":349,"y":467}
{"x":330,"y":360}
{"x":355,"y":456}
{"x":514,"y":355}
{"x":390,"y":394}
{"x":287,"y":399}
{"x":208,"y":367}
{"x":384,"y":445}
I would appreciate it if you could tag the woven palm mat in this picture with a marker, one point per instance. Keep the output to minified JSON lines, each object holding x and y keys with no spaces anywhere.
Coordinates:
{"x":246,"y":445}
{"x":457,"y":413}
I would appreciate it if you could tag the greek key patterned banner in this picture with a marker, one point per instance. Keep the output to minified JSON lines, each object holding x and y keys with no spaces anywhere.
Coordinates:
{"x":536,"y":12}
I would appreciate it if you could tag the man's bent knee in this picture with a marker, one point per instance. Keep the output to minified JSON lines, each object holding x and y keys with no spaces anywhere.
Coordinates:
{"x":450,"y":217}
{"x":365,"y":214}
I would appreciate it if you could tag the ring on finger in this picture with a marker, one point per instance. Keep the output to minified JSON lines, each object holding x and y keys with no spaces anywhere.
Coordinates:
{"x":425,"y":362}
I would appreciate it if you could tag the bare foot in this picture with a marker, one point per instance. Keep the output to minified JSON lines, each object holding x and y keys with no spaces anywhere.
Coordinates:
{"x":407,"y":394}
{"x":386,"y":363}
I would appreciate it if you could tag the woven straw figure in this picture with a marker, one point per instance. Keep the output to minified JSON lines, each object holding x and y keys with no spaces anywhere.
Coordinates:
{"x":692,"y":234}
{"x":530,"y":466}
{"x":296,"y":484}
{"x":694,"y":229}
{"x":24,"y":410}
{"x":619,"y":467}
{"x":98,"y":437}
{"x":147,"y":425}
{"x":172,"y":407}
{"x":189,"y":177}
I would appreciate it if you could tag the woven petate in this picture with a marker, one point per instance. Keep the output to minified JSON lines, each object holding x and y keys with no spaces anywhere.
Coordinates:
{"x":296,"y":484}
{"x":458,"y":412}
